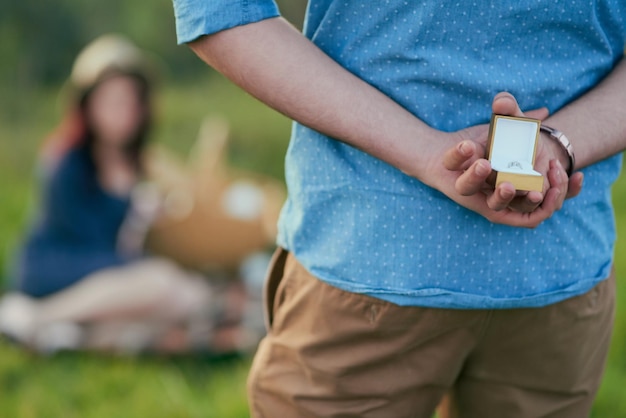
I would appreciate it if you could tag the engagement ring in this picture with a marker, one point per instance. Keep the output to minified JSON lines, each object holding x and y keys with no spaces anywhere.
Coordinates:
{"x":515,"y":164}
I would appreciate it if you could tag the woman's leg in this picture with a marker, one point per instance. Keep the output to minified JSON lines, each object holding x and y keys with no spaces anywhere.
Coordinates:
{"x":153,"y":288}
{"x":127,"y":306}
{"x":151,"y":304}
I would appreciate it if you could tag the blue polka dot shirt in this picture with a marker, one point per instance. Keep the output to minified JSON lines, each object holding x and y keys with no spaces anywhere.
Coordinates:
{"x":361,"y":225}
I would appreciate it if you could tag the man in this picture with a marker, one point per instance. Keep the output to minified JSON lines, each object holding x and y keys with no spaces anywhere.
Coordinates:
{"x":404,"y":275}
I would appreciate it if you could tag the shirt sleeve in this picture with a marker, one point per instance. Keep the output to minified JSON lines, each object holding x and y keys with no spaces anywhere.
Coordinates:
{"x":195,"y":18}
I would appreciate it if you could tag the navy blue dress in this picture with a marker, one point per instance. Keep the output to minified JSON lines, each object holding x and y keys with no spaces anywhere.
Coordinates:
{"x":76,"y":231}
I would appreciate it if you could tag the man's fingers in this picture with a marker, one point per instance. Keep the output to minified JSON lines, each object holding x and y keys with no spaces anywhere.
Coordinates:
{"x":558,"y":180}
{"x":541,"y":113}
{"x":501,"y":197}
{"x":551,"y":203}
{"x":474,"y":178}
{"x":575,"y":185}
{"x":527,"y":203}
{"x":461,"y":156}
{"x":505,"y":104}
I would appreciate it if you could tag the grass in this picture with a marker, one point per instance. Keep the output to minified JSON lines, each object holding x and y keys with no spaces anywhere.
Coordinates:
{"x":89,"y":386}
{"x":102,"y":387}
{"x":611,"y":402}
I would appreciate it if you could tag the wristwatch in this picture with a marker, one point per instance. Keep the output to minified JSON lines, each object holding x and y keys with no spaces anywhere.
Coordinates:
{"x":560,"y":137}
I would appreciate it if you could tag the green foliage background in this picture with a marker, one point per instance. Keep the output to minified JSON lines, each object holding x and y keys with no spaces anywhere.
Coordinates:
{"x":38,"y":41}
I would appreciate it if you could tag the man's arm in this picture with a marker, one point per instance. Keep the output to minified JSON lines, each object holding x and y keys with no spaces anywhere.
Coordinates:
{"x":595,"y":124}
{"x":275,"y":63}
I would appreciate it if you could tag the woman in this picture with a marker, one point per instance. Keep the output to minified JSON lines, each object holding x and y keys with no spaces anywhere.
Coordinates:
{"x":82,"y":278}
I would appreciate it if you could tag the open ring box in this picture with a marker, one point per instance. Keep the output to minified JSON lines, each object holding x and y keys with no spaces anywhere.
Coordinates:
{"x":511,"y":150}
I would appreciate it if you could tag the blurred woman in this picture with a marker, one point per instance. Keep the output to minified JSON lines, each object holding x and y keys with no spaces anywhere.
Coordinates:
{"x":81,"y":276}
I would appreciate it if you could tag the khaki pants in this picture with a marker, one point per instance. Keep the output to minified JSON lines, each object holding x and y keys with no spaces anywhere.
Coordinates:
{"x":331,"y":353}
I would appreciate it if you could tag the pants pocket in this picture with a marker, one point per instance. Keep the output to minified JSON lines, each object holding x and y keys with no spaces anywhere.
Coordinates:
{"x":273,"y":279}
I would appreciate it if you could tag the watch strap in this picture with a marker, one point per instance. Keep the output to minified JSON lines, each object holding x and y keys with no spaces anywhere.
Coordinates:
{"x":560,"y":137}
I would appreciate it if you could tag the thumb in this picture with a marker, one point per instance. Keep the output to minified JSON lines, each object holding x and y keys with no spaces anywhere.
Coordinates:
{"x":505,"y":104}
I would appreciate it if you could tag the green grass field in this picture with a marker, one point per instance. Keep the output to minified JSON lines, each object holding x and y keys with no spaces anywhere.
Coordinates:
{"x":86,"y":386}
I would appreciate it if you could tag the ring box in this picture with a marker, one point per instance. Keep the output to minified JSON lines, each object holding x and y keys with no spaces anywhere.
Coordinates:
{"x":511,"y":150}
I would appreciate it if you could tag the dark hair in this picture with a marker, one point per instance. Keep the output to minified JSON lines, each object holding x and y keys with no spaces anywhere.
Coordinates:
{"x":136,"y":144}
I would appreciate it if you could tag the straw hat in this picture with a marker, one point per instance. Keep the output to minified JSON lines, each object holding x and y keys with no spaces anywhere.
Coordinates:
{"x":109,"y":54}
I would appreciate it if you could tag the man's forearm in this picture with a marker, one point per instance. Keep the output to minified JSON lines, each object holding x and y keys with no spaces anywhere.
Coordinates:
{"x":596,"y":123}
{"x":275,"y":63}
{"x":278,"y":65}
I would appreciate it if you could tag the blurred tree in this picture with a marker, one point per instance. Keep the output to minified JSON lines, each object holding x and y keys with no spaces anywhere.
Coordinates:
{"x":33,"y":39}
{"x":39,"y":39}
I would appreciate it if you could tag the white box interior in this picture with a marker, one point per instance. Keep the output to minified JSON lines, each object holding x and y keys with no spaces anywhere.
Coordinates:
{"x":513,"y":146}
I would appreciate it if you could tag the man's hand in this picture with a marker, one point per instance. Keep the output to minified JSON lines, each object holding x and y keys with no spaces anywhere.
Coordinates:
{"x":467,"y":158}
